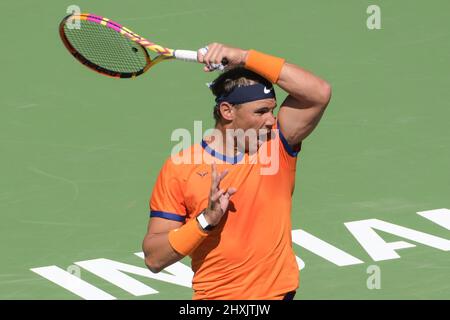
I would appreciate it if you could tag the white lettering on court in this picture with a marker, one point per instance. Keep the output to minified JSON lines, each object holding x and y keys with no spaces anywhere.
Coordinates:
{"x":379,"y":250}
{"x":113,"y":272}
{"x":323,"y":249}
{"x":72,"y":283}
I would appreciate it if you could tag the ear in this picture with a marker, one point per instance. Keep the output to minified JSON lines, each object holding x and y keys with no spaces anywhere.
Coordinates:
{"x":227,"y":111}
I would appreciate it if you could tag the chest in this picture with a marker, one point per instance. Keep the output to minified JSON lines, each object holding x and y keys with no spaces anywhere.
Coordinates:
{"x":252,"y":186}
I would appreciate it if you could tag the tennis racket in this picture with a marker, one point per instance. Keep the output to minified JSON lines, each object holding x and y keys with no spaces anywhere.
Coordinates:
{"x":113,"y":50}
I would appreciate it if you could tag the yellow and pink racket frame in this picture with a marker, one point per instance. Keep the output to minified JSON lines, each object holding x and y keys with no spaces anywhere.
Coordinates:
{"x":163,"y":53}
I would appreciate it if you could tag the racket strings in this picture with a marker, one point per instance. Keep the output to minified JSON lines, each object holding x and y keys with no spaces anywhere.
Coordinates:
{"x":107,"y":48}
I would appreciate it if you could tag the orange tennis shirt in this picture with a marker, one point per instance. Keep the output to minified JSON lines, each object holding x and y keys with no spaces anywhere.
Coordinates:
{"x":249,"y":254}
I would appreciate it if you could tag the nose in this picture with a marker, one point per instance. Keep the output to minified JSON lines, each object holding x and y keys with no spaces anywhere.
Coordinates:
{"x":270,"y":120}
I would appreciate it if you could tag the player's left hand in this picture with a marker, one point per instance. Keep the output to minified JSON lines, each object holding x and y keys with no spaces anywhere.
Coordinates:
{"x":219,"y":199}
{"x":217,"y":52}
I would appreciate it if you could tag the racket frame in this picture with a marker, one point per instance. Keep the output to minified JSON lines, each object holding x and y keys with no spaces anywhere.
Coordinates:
{"x":163,"y":53}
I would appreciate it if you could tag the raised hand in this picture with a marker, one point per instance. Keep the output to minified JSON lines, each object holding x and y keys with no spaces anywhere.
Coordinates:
{"x":219,"y":199}
{"x":217,"y":53}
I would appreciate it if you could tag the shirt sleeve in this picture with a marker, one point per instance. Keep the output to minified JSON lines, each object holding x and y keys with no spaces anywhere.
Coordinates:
{"x":293,"y":151}
{"x":288,"y":153}
{"x":167,"y":200}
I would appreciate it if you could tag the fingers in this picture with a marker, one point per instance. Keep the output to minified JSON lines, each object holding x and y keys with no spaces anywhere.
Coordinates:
{"x":231,"y":191}
{"x":227,"y":195}
{"x":223,"y":194}
{"x":210,"y":48}
{"x":201,"y":53}
{"x":216,"y":196}
{"x":225,"y":199}
{"x":200,"y":56}
{"x":215,"y":54}
{"x":220,"y":56}
{"x":216,"y":177}
{"x":214,"y":183}
{"x":212,"y":57}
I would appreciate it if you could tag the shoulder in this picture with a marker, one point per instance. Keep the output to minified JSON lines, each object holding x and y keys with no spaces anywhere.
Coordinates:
{"x":180,"y":164}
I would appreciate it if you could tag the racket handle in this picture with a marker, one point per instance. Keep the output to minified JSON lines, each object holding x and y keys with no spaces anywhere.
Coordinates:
{"x":186,"y":55}
{"x":191,"y":56}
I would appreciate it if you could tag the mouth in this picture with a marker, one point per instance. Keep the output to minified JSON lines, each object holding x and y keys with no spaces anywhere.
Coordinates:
{"x":264,"y":134}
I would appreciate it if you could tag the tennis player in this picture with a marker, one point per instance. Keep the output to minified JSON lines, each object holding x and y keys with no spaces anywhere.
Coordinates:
{"x":229,"y":217}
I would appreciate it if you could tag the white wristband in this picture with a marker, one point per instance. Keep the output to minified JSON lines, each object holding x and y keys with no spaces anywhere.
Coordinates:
{"x":203,"y":223}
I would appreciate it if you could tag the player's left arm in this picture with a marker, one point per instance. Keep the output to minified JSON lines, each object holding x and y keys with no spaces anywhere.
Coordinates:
{"x":303,"y":108}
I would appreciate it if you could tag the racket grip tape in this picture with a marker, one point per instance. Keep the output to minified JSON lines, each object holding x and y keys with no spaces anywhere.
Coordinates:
{"x":186,"y":55}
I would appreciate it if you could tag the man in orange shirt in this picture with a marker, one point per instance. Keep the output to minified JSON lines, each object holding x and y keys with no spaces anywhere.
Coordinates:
{"x":221,"y":202}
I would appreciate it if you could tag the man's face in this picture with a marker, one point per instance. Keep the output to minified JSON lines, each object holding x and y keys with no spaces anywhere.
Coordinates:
{"x":256,"y":118}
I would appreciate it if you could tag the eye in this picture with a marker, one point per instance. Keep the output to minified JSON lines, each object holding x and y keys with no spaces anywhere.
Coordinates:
{"x":262,"y":110}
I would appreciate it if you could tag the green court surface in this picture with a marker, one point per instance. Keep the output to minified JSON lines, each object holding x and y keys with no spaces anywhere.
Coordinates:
{"x":79,"y":152}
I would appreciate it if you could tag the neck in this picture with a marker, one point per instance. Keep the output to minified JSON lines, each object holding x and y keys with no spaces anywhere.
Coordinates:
{"x":223,"y":143}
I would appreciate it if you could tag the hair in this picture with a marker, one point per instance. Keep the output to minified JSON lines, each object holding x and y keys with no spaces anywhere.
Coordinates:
{"x":230,"y":79}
